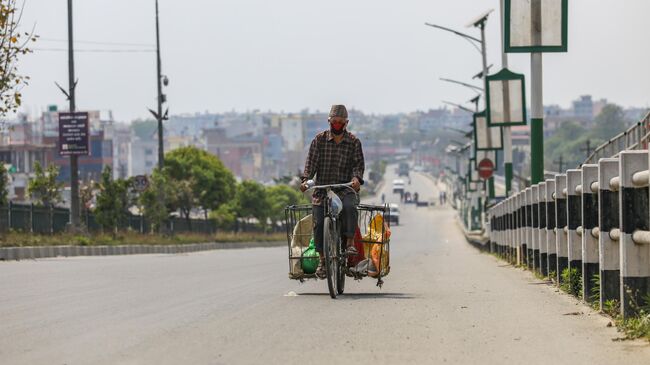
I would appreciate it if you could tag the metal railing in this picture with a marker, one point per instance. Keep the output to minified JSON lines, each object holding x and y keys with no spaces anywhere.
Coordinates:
{"x":635,"y":138}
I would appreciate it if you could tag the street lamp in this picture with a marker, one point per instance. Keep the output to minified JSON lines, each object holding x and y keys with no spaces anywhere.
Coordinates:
{"x":473,"y":87}
{"x":480,"y":23}
{"x":458,"y":106}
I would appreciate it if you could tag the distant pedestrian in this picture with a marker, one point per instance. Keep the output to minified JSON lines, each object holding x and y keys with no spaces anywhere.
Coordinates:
{"x":383,"y":198}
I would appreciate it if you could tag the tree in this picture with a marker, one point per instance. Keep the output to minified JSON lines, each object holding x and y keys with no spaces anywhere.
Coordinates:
{"x":113,"y":201}
{"x":144,"y":129}
{"x":225,"y":216}
{"x":44,"y":188}
{"x":86,"y":196}
{"x":610,"y":122}
{"x":279,"y":197}
{"x":4,"y":182}
{"x":13,"y":44}
{"x":200,"y":180}
{"x":153,"y":209}
{"x":251,"y":201}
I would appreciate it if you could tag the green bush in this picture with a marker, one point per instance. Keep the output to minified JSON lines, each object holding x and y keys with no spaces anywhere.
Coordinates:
{"x":571,"y":281}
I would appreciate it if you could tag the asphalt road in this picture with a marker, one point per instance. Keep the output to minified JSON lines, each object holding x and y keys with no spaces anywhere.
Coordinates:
{"x":444,"y":302}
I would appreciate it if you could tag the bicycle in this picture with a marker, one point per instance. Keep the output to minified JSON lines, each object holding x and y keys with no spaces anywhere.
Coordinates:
{"x":335,"y":255}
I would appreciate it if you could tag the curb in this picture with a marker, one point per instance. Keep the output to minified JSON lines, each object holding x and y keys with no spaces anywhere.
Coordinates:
{"x":475,"y":239}
{"x":30,"y":253}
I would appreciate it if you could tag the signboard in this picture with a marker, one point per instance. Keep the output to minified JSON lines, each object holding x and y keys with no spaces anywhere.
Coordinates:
{"x":506,"y":99}
{"x":74,"y":136}
{"x":485,"y":168}
{"x":486,"y":137}
{"x":536,"y":25}
{"x":492,"y":155}
{"x":140,"y":182}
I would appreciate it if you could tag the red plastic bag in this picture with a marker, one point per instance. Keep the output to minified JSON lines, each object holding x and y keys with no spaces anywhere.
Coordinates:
{"x":358,"y":244}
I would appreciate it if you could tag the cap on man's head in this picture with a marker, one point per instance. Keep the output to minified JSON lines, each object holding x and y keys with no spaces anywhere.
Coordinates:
{"x":338,"y":111}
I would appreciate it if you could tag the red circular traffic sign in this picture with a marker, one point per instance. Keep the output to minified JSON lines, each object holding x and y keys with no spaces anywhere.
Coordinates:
{"x":485,"y":168}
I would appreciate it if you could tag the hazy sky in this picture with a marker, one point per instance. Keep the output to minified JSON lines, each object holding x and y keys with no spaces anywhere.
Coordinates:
{"x":375,"y":55}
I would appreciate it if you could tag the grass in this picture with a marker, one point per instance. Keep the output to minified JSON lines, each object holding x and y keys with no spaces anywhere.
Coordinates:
{"x":15,"y":239}
{"x":571,"y":282}
{"x":595,"y":292}
{"x":634,"y":327}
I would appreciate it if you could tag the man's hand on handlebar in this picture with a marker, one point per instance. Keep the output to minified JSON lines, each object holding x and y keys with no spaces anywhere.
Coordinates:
{"x":303,"y":187}
{"x":356,"y":184}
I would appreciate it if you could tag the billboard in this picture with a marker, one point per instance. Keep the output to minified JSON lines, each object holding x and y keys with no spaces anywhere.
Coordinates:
{"x":74,"y":134}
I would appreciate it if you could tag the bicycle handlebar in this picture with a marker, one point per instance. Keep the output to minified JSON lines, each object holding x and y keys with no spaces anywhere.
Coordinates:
{"x":330,"y":186}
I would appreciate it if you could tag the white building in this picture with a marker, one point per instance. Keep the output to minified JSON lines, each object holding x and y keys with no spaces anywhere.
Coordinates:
{"x":143,"y":156}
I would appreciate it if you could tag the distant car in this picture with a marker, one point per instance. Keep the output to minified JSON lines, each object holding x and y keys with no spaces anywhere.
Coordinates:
{"x":394,"y":213}
{"x":418,"y":168}
{"x":403,"y":169}
{"x":398,"y":186}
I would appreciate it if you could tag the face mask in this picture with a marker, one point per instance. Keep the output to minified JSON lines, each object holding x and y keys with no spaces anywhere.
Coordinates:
{"x":337,"y":128}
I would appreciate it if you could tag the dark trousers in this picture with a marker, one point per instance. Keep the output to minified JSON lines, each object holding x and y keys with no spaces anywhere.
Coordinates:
{"x":347,"y":221}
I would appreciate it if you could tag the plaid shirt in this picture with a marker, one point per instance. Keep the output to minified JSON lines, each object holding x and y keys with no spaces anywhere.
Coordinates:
{"x":334,"y":163}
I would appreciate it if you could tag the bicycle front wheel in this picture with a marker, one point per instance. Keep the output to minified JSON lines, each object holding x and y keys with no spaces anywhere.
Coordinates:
{"x":330,"y":249}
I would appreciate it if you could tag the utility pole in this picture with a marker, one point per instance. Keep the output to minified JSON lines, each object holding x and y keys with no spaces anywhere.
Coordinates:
{"x":162,"y":98}
{"x":481,"y":25}
{"x":74,"y":160}
{"x":159,"y":116}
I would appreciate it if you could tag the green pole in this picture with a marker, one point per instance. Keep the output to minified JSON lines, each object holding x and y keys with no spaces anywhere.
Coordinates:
{"x":507,"y":133}
{"x":537,"y":122}
{"x":508,"y":176}
{"x":537,"y":100}
{"x":491,"y":193}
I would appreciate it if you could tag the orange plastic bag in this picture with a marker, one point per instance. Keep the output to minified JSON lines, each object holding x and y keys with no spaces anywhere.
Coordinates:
{"x":375,"y":246}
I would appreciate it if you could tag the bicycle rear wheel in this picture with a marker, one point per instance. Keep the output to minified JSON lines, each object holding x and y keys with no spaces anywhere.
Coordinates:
{"x":330,"y":250}
{"x":342,"y":266}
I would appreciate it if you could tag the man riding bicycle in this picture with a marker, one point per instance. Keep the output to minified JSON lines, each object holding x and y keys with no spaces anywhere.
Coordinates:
{"x":335,"y":157}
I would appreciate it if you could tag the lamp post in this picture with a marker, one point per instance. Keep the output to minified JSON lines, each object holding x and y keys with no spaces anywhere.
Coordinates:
{"x":458,"y":106}
{"x":507,"y":132}
{"x":479,"y":45}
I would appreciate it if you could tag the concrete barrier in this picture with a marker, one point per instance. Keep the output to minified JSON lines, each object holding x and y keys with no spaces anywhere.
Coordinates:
{"x":512,"y":240}
{"x":574,"y":219}
{"x":535,"y":240}
{"x":609,"y":219}
{"x":494,"y":228}
{"x":543,"y":248}
{"x":590,"y":269}
{"x":528,"y":222}
{"x":634,"y":216}
{"x":521,"y":227}
{"x":551,"y":225}
{"x":561,"y":232}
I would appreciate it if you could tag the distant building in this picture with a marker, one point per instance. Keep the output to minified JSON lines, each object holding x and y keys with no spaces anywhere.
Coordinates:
{"x":121,"y":141}
{"x":242,"y":155}
{"x":143,"y":156}
{"x":583,"y":108}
